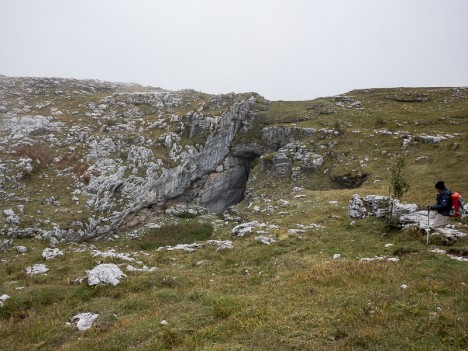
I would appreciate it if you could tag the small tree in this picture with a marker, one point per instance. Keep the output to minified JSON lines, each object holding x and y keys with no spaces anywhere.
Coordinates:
{"x":398,"y":184}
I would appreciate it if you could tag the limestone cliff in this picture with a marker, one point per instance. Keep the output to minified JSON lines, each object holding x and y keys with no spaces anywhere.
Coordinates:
{"x":99,"y":153}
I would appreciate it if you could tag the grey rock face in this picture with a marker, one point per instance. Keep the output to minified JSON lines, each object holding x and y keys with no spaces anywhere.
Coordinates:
{"x":194,"y":165}
{"x":379,"y":206}
{"x":22,"y":126}
{"x":225,"y":188}
{"x":292,"y":160}
{"x":101,"y":149}
{"x":281,"y":164}
{"x":280,"y":136}
{"x":356,"y":208}
{"x":181,"y":210}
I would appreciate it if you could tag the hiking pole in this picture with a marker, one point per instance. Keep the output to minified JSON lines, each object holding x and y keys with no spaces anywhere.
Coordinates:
{"x":428,"y":227}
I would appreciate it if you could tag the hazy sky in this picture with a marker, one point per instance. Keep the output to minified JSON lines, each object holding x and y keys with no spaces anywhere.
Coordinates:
{"x":282,"y":49}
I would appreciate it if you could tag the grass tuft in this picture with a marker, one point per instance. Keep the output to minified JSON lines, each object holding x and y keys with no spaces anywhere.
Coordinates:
{"x":173,"y":234}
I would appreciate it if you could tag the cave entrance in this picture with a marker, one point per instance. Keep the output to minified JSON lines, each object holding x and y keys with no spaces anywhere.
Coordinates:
{"x":225,"y":187}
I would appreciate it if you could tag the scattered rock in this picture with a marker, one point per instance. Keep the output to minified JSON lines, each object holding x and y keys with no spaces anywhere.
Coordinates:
{"x":183,"y":247}
{"x":221,"y":244}
{"x":21,"y":249}
{"x":245,"y":228}
{"x":105,"y":273}
{"x":52,"y":201}
{"x":3,"y":298}
{"x":336,"y":256}
{"x":5,"y":244}
{"x":265,"y":239}
{"x":453,"y":257}
{"x":49,"y":253}
{"x":37,"y":269}
{"x":112,"y":254}
{"x":370,"y":259}
{"x":380,"y":258}
{"x":296,"y":231}
{"x":130,"y":268}
{"x":83,"y":321}
{"x":12,"y":218}
{"x":420,"y":220}
{"x":433,"y":139}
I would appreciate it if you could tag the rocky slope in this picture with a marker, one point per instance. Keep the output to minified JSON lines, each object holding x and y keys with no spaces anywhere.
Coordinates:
{"x":86,"y":159}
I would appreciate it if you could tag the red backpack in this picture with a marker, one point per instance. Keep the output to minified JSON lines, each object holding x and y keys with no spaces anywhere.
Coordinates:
{"x":457,"y":204}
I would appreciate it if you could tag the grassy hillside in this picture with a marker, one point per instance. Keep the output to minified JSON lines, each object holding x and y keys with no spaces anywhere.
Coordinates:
{"x":291,"y":294}
{"x":372,"y":125}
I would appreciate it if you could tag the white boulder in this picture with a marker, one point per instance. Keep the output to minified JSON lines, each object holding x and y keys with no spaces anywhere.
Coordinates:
{"x":49,"y":253}
{"x":105,"y":273}
{"x":3,"y":298}
{"x":265,"y":239}
{"x":221,"y":244}
{"x":83,"y":321}
{"x":245,"y":228}
{"x":37,"y":269}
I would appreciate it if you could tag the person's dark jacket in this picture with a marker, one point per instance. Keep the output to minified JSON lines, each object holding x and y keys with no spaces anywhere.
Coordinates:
{"x":443,"y":203}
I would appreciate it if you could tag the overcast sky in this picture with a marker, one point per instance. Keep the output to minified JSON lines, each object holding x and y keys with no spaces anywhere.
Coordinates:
{"x":282,"y":49}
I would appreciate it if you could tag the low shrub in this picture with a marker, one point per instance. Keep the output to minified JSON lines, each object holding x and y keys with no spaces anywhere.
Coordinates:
{"x":39,"y":153}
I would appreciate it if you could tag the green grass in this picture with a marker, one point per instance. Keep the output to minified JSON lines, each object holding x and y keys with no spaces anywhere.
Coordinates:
{"x":173,"y":234}
{"x":291,"y":295}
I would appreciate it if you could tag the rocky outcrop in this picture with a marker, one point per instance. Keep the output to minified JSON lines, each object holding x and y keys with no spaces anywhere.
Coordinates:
{"x":119,"y":149}
{"x":292,"y":161}
{"x":405,"y":215}
{"x":378,"y":206}
{"x":277,"y":136}
{"x":206,"y":177}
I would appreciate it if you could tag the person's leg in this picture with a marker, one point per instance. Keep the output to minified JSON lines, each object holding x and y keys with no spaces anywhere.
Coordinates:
{"x":439,"y":226}
{"x":439,"y":221}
